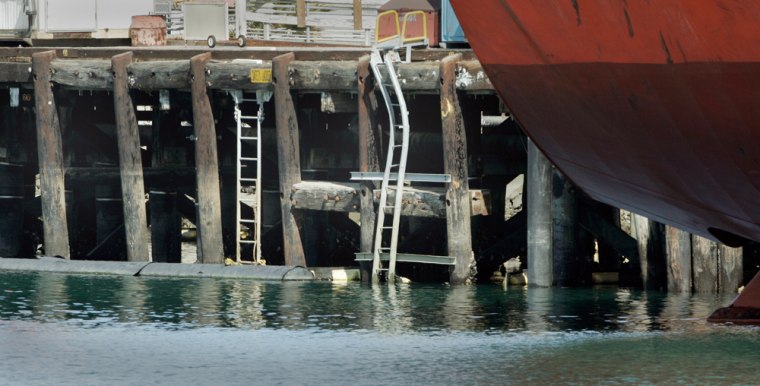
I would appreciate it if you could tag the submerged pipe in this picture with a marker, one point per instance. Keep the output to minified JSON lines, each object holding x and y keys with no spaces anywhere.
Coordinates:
{"x":126,"y":268}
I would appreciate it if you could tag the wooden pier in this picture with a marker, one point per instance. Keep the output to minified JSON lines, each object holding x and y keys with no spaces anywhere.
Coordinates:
{"x":127,"y":141}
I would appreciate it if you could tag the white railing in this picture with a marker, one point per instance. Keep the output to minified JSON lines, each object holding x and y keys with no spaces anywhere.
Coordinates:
{"x":327,"y":21}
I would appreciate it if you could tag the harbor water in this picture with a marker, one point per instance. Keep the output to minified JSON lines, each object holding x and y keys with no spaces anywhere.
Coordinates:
{"x":94,"y":330}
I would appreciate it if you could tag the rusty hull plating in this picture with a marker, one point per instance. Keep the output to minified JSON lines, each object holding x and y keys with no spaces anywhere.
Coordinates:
{"x":648,"y":106}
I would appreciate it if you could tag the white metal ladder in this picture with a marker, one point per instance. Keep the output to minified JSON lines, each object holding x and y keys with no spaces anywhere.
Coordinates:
{"x":249,"y":113}
{"x":385,"y":246}
{"x":395,"y":162}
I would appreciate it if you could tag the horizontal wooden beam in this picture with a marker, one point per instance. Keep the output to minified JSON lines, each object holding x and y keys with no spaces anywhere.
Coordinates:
{"x":327,"y":196}
{"x":220,"y":52}
{"x":16,"y":73}
{"x":317,"y":76}
{"x":344,"y":197}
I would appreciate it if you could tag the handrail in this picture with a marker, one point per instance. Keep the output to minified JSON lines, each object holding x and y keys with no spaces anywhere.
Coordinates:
{"x":377,"y":26}
{"x":424,"y":27}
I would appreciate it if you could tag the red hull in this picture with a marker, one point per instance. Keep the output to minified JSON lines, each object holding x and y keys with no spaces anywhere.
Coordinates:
{"x":648,"y":106}
{"x":652,"y":106}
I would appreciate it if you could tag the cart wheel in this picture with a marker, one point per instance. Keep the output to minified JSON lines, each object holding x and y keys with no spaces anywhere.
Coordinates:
{"x":211,"y":41}
{"x":241,"y":41}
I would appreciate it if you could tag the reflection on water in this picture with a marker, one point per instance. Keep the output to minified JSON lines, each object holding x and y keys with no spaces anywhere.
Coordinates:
{"x":188,"y":303}
{"x":231,"y":330}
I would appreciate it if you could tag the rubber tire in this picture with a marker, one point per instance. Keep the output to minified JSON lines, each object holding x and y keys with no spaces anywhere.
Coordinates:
{"x":241,"y":41}
{"x":211,"y":41}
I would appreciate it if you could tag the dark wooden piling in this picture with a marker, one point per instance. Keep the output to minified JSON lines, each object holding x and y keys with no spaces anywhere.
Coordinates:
{"x":678,"y":256}
{"x":650,"y":242}
{"x":165,"y":226}
{"x":12,"y":209}
{"x":731,"y":268}
{"x":130,"y":162}
{"x":567,"y":266}
{"x":288,"y":160}
{"x":208,"y":198}
{"x":458,"y":226}
{"x":539,"y":206}
{"x":109,"y":223}
{"x":369,"y":158}
{"x":705,"y":264}
{"x":50,"y":154}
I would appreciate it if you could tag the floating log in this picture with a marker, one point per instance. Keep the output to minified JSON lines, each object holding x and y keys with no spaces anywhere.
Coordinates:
{"x":50,"y":154}
{"x":210,"y":248}
{"x":288,"y":160}
{"x":130,"y":162}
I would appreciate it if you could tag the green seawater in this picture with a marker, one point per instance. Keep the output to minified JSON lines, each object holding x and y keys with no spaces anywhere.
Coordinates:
{"x":58,"y":329}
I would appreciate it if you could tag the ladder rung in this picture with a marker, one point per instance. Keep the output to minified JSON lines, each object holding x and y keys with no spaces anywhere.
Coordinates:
{"x":249,"y":100}
{"x":250,"y":138}
{"x":388,"y":227}
{"x":247,"y":241}
{"x":248,"y":159}
{"x":244,"y":221}
{"x":399,"y":145}
{"x":249,"y":117}
{"x":248,"y":179}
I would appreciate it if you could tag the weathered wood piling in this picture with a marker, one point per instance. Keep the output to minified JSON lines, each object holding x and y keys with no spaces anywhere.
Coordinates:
{"x":112,"y":125}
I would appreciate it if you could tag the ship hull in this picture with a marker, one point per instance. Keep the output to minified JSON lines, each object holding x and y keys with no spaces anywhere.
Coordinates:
{"x":648,"y":106}
{"x":653,"y":108}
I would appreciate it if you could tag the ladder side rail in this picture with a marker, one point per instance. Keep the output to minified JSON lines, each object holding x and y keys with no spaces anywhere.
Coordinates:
{"x":237,"y":96}
{"x":403,"y":112}
{"x":257,"y":196}
{"x":376,"y":249}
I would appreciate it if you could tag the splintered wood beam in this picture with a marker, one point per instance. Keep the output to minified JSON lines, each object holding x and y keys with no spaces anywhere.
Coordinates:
{"x":50,"y":154}
{"x":326,"y":196}
{"x":369,"y":155}
{"x":130,"y":162}
{"x":458,"y":227}
{"x":431,"y":202}
{"x":347,"y":197}
{"x":304,"y":76}
{"x":209,"y":224}
{"x":288,"y":160}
